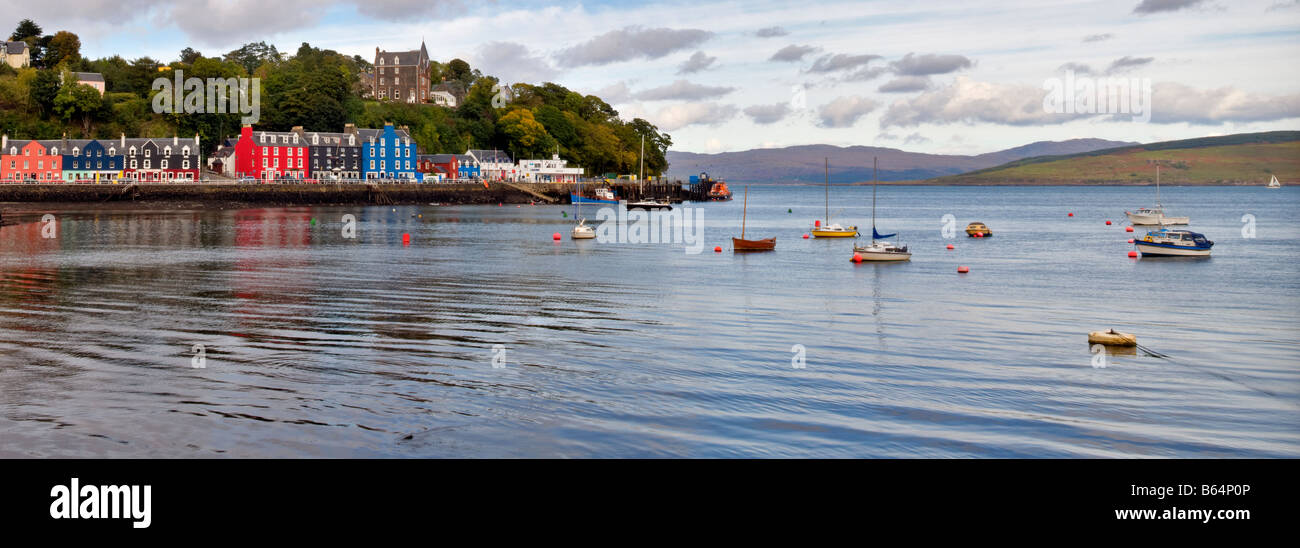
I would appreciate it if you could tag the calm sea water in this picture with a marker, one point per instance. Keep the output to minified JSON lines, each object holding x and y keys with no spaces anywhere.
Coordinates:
{"x":317,"y":345}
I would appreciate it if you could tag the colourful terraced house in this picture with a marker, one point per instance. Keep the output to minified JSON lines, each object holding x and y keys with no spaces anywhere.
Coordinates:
{"x":89,"y":161}
{"x":388,"y":154}
{"x":31,"y":161}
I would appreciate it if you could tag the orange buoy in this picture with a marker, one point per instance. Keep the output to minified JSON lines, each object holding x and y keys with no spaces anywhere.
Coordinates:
{"x":1132,"y":254}
{"x":805,"y":236}
{"x":1069,"y":215}
{"x":556,"y":236}
{"x":962,"y":270}
{"x":817,"y":223}
{"x":857,"y":257}
{"x":406,"y":239}
{"x":951,"y":247}
{"x":1130,"y":240}
{"x":979,"y":234}
{"x":717,"y":249}
{"x":1107,"y":223}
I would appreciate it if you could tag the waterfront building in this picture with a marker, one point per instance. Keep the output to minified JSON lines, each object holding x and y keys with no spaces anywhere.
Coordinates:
{"x":493,"y":165}
{"x":402,"y":76}
{"x":160,"y":160}
{"x":333,"y":156}
{"x":270,"y":155}
{"x":467,"y":167}
{"x":90,"y":161}
{"x":553,"y":170}
{"x":447,"y":164}
{"x":34,"y":161}
{"x":388,"y":153}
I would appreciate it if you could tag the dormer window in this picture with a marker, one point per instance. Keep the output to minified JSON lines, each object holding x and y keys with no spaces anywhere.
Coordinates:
{"x":133,"y":151}
{"x":381,"y":60}
{"x":167,"y":151}
{"x":112,"y":151}
{"x":315,"y":139}
{"x":54,"y":151}
{"x":148,"y":152}
{"x":263,"y":137}
{"x":185,"y":151}
{"x":76,"y":151}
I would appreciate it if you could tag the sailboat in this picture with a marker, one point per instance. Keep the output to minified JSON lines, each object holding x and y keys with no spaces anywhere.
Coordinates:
{"x":879,"y":250}
{"x":832,"y":230}
{"x":741,"y":244}
{"x":582,"y":231}
{"x":1274,"y":183}
{"x":1155,"y":215}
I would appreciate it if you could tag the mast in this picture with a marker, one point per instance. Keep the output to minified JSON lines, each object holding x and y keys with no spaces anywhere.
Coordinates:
{"x":873,"y":199}
{"x":641,"y":175}
{"x":828,"y":190}
{"x":744,"y":213}
{"x":1158,"y":206}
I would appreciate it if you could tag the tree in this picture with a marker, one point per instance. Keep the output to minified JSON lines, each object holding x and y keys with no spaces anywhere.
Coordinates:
{"x":189,"y":56}
{"x":26,"y":29}
{"x":76,"y":100}
{"x":43,"y":89}
{"x":63,"y":46}
{"x":252,"y":56}
{"x":523,"y":135}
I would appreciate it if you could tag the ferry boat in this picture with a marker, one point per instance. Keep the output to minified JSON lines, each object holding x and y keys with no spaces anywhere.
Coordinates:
{"x":1174,"y":243}
{"x":603,"y":195}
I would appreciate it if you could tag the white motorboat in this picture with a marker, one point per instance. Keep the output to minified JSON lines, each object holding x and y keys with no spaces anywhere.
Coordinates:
{"x":582,"y":231}
{"x":1174,"y":243}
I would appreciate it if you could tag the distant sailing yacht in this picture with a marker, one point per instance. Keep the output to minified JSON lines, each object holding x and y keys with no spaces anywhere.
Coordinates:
{"x":832,"y":230}
{"x":1274,"y":183}
{"x":1154,"y":215}
{"x":882,"y":250}
{"x":741,"y":244}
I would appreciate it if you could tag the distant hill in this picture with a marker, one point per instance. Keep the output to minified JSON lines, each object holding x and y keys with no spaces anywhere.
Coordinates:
{"x":1245,"y":158}
{"x":853,"y":164}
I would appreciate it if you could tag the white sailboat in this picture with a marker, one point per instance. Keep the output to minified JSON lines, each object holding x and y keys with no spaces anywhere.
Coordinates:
{"x":1274,"y":183}
{"x":1155,"y":215}
{"x":879,"y":250}
{"x":582,"y":231}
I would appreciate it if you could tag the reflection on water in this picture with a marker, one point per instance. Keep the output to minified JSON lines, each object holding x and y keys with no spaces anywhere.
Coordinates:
{"x":321,"y":345}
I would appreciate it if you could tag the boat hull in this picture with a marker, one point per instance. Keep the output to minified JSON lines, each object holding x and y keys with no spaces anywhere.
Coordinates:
{"x":883,"y":257}
{"x":1153,"y":220}
{"x":1154,"y":250}
{"x":583,"y":235}
{"x":738,"y":244}
{"x":852,"y":233}
{"x":579,"y":199}
{"x":648,"y":206}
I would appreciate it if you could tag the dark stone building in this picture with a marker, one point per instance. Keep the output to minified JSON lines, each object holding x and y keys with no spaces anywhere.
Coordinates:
{"x":402,"y":76}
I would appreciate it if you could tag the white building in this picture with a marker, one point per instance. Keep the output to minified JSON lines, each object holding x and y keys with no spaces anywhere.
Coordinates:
{"x":553,"y":170}
{"x":494,"y":165}
{"x":15,"y":54}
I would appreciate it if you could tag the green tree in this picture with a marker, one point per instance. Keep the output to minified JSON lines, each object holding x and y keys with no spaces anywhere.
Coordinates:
{"x":64,"y":47}
{"x":252,"y":56}
{"x":524,"y":135}
{"x":26,"y":29}
{"x":189,"y":56}
{"x":43,"y":88}
{"x":77,"y":101}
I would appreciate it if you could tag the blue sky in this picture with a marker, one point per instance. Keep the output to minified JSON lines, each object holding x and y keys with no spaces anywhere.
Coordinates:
{"x":943,"y":77}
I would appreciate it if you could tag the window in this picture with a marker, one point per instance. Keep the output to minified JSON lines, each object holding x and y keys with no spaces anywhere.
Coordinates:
{"x":263,"y":150}
{"x":54,"y":151}
{"x":112,"y":152}
{"x":146,"y":164}
{"x":397,"y":81}
{"x":76,"y":151}
{"x":133,"y":163}
{"x":383,"y":165}
{"x":185,"y":151}
{"x":372,"y":165}
{"x":162,"y":164}
{"x":148,"y":152}
{"x":167,"y":151}
{"x":381,"y":61}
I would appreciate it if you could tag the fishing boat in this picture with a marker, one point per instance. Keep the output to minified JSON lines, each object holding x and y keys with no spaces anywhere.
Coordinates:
{"x":1154,"y":215}
{"x":1274,"y":183}
{"x":603,"y":195}
{"x":582,"y":231}
{"x":1174,"y":243}
{"x":829,"y":230}
{"x":978,"y":228}
{"x":741,"y":244}
{"x":879,"y":251}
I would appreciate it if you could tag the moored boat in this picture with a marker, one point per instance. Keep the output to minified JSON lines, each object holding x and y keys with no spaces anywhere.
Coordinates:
{"x":1174,"y":243}
{"x":741,"y":244}
{"x":978,"y":228}
{"x":650,"y":204}
{"x":1149,"y":216}
{"x":827,"y":229}
{"x":1274,"y":183}
{"x":879,"y":250}
{"x":603,"y":195}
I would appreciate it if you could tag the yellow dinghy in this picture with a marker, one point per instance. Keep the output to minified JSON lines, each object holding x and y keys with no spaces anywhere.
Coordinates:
{"x":1110,"y":337}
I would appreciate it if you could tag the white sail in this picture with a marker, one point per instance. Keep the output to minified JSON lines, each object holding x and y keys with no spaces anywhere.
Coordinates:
{"x":1274,"y":183}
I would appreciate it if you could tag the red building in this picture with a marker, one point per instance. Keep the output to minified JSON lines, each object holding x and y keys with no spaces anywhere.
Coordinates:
{"x":270,"y":155}
{"x":31,"y":161}
{"x":434,"y":165}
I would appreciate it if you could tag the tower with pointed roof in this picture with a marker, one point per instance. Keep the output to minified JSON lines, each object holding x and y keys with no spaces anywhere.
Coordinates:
{"x":402,"y":76}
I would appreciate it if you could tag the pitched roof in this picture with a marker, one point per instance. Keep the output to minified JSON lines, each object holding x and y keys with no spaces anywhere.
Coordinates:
{"x":377,"y":133}
{"x":414,"y":57}
{"x":15,"y":48}
{"x":493,"y":156}
{"x":442,"y":158}
{"x":89,"y":77}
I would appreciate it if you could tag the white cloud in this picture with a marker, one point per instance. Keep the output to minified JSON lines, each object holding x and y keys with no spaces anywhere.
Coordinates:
{"x":630,"y":43}
{"x":791,"y":53}
{"x":698,"y":62}
{"x":768,"y":114}
{"x":1175,"y":103}
{"x":682,"y":90}
{"x":673,"y":117}
{"x":970,"y":101}
{"x":844,"y":111}
{"x":513,"y":62}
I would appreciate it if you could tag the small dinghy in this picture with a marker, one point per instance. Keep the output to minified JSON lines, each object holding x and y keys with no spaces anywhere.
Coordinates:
{"x":1110,"y":337}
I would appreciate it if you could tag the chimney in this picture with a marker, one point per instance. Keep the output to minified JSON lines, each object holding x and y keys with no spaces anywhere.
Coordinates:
{"x":176,"y":140}
{"x":349,"y":128}
{"x":196,"y":139}
{"x":123,"y":141}
{"x":4,"y":142}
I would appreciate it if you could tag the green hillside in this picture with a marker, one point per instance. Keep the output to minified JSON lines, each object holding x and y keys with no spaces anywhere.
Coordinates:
{"x":1247,"y":158}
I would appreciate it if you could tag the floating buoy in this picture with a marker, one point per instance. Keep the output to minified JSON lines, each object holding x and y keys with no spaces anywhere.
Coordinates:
{"x":962,"y":270}
{"x":979,"y":234}
{"x":1107,"y":223}
{"x":1130,"y":240}
{"x":556,"y":236}
{"x":499,"y":204}
{"x":805,"y":236}
{"x":1110,"y":337}
{"x":1132,"y":254}
{"x":789,"y":211}
{"x":951,"y":247}
{"x":421,"y":216}
{"x":1128,"y":229}
{"x":564,"y":214}
{"x":717,"y":249}
{"x":313,"y":222}
{"x":817,"y":223}
{"x":857,"y":257}
{"x":406,"y":239}
{"x":1069,"y":215}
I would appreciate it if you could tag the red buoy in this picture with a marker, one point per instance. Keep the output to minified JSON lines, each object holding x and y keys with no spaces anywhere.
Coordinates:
{"x":406,"y":239}
{"x":1070,"y":215}
{"x":962,"y":270}
{"x":1128,"y":229}
{"x":1107,"y":223}
{"x":1130,"y":240}
{"x":717,"y":249}
{"x":857,"y":257}
{"x":1132,"y":254}
{"x":817,"y":223}
{"x":556,"y":236}
{"x":805,"y":236}
{"x":950,"y":246}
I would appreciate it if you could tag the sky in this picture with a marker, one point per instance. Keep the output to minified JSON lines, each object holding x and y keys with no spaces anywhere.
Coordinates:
{"x":963,"y":77}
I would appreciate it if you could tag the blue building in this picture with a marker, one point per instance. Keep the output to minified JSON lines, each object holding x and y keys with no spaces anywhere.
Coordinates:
{"x":467,"y":166}
{"x":88,"y":160}
{"x":388,"y":154}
